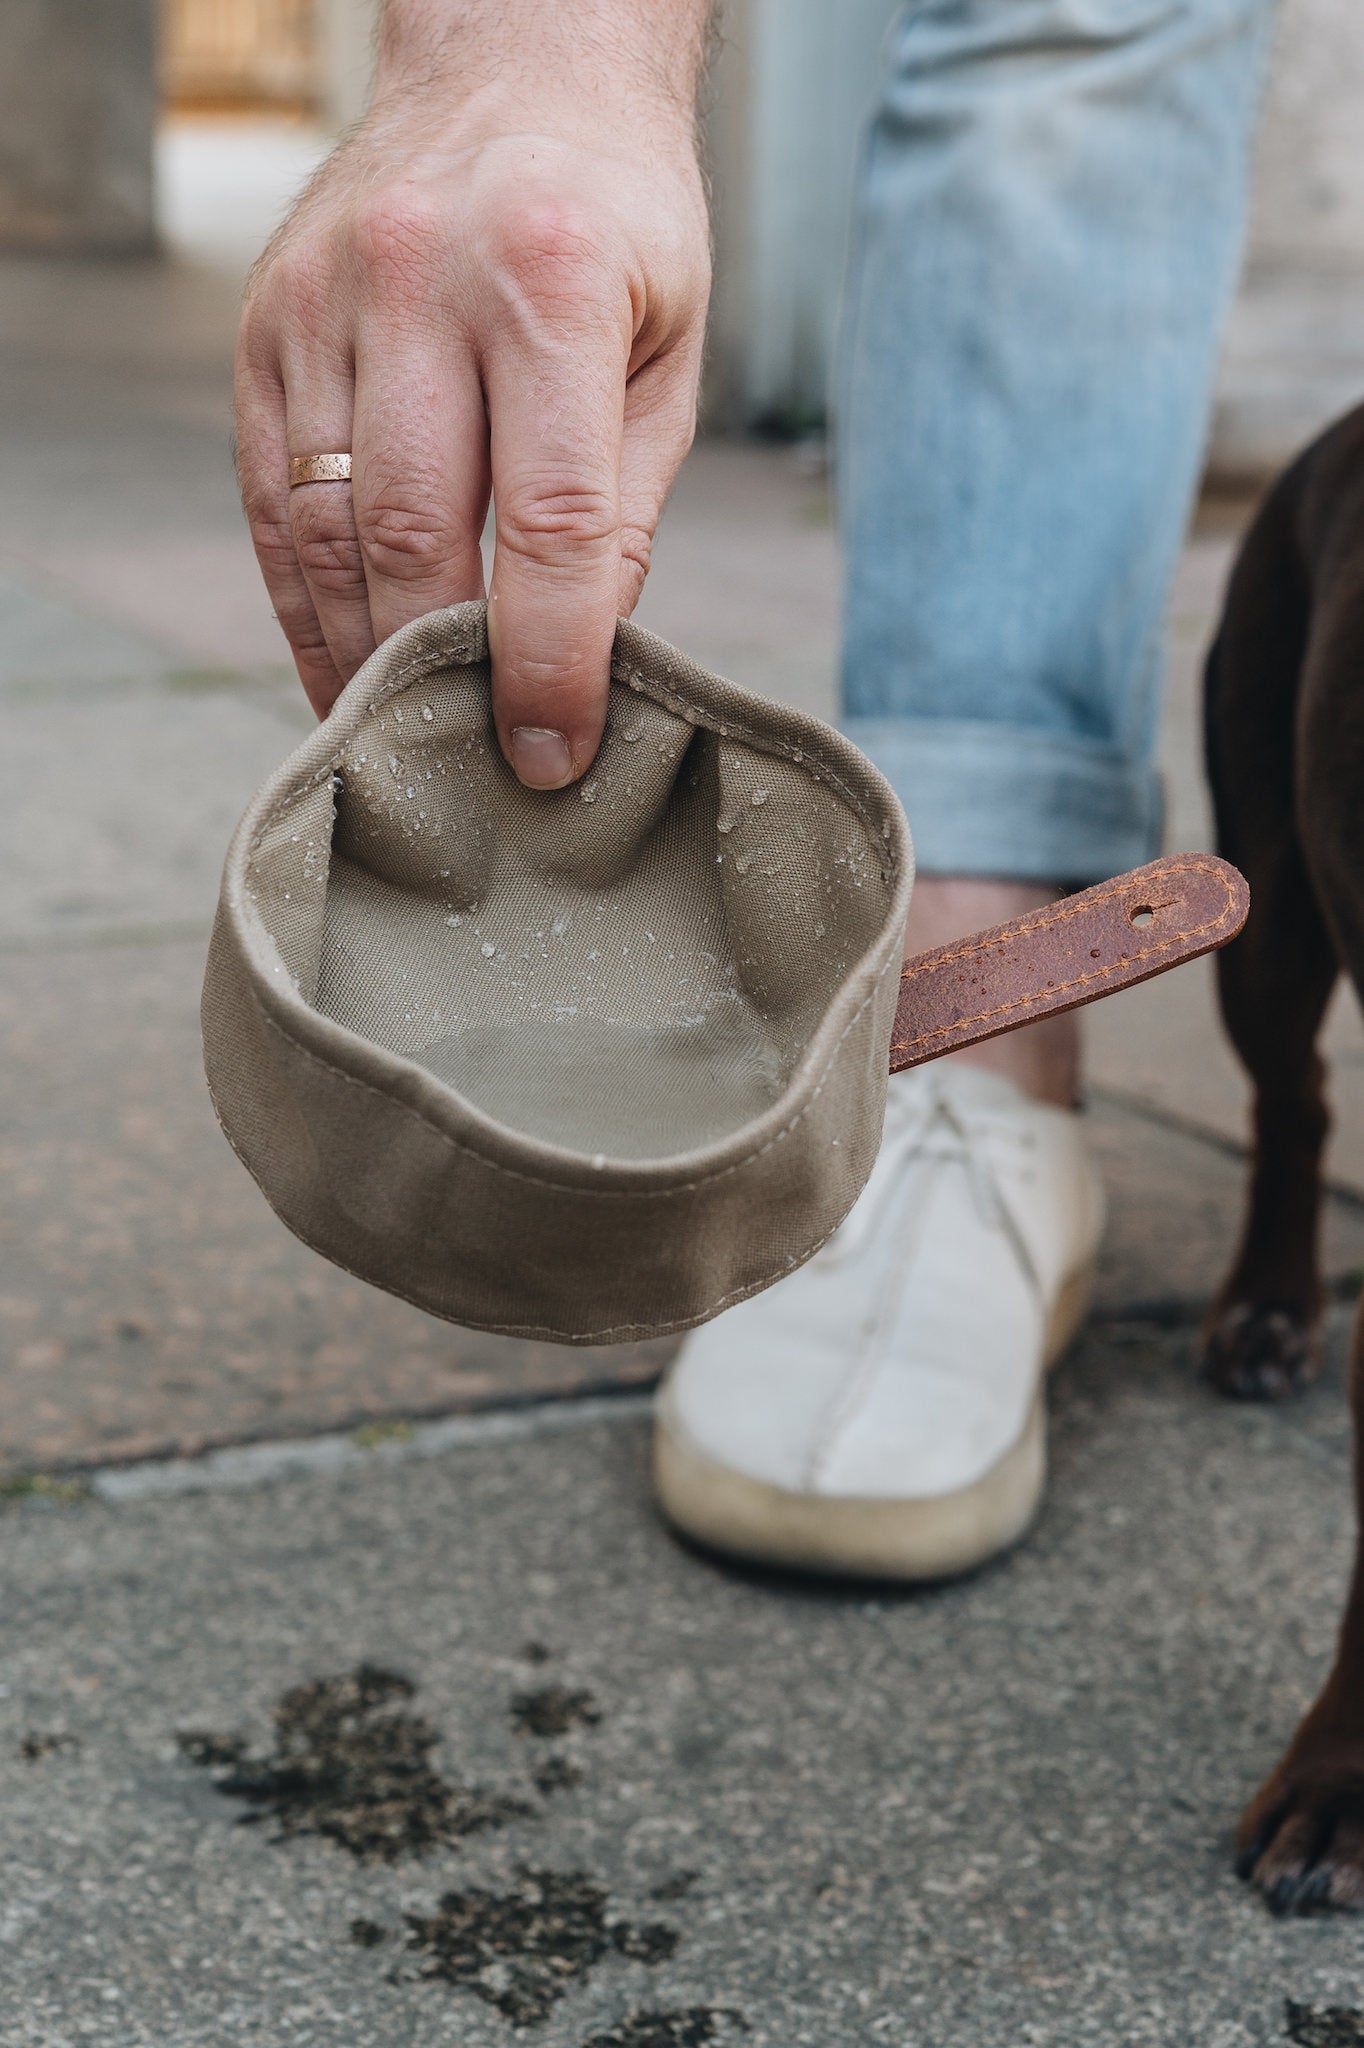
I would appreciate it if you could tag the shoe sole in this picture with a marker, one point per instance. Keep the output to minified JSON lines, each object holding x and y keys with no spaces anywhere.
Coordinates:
{"x":934,"y":1537}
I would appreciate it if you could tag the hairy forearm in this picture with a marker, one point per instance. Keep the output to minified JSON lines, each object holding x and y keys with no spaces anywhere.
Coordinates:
{"x":563,"y":54}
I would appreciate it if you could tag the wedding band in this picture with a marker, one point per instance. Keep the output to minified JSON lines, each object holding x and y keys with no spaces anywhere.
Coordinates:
{"x":318,"y":469}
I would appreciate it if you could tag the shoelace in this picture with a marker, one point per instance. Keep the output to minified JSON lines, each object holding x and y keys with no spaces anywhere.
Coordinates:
{"x":924,"y":1123}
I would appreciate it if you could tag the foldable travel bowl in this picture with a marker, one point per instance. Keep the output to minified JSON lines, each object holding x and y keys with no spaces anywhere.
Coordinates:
{"x":594,"y":1065}
{"x":583,"y":1066}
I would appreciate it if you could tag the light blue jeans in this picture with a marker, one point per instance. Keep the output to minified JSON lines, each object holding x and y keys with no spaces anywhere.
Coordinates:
{"x":1048,"y":226}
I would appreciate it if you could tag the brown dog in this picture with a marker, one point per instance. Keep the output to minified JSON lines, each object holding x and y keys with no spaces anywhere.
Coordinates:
{"x":1285,"y":734}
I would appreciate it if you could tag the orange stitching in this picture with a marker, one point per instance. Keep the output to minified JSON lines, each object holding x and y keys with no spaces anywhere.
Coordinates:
{"x":1047,"y":923}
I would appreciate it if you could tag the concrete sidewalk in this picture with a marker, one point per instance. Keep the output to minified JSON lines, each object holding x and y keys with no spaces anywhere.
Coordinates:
{"x":982,"y":1816}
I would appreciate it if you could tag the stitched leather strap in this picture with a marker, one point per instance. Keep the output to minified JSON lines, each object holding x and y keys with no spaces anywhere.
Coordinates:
{"x":1071,"y":952}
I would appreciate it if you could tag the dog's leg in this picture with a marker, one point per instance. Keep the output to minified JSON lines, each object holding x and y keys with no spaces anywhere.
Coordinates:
{"x":1302,"y":1837}
{"x":1274,"y":981}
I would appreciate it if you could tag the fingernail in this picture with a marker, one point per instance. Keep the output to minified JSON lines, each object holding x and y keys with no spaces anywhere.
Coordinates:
{"x":540,"y":757}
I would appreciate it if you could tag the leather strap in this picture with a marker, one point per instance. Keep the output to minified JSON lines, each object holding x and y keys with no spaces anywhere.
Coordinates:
{"x":1072,"y":952}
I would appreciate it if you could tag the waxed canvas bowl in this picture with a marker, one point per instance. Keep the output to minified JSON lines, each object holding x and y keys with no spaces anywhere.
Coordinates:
{"x":585,"y":1066}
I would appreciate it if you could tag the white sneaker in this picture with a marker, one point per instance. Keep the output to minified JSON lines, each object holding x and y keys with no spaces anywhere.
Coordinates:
{"x":882,"y":1410}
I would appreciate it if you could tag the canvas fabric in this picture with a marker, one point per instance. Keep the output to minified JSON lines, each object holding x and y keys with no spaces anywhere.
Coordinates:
{"x":585,"y":1066}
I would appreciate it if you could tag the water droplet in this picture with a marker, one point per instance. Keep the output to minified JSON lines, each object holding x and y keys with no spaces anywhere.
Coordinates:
{"x":759,"y":798}
{"x":427,"y":713}
{"x":632,"y":732}
{"x":723,"y":824}
{"x":455,"y":919}
{"x":589,"y":792}
{"x":489,"y":949}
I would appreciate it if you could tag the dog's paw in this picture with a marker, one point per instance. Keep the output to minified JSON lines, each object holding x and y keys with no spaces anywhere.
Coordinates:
{"x":1301,"y":1839}
{"x":1256,"y":1353}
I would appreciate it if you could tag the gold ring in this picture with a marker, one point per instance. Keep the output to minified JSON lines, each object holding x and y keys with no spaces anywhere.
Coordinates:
{"x":318,"y":469}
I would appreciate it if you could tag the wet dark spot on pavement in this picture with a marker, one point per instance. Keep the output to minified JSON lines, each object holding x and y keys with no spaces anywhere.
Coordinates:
{"x":675,"y":1887}
{"x":353,"y":1764}
{"x":522,"y":1950}
{"x":653,"y":1943}
{"x":1323,"y":2026}
{"x":689,"y":2027}
{"x":553,"y":1710}
{"x":211,"y":1746}
{"x":39,"y":1743}
{"x":556,"y":1774}
{"x":536,"y":1653}
{"x":367,"y":1933}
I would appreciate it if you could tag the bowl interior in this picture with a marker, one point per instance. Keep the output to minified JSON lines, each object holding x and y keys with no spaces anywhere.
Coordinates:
{"x":630,"y":968}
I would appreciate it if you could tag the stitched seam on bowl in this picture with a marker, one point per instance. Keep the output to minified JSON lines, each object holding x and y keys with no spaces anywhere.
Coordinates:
{"x":566,"y":1186}
{"x":613,"y":1333}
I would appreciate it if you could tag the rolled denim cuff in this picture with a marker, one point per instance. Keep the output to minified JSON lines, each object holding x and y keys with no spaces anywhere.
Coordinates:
{"x":1015,"y":802}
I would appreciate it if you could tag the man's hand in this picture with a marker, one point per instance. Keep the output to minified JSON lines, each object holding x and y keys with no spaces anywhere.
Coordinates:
{"x":499,"y":282}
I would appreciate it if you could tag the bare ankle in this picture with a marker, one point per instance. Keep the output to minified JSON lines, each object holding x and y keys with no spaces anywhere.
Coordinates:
{"x":1042,"y":1059}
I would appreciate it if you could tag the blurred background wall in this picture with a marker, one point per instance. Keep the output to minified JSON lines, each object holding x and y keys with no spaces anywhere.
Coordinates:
{"x":83,"y":84}
{"x":78,"y":108}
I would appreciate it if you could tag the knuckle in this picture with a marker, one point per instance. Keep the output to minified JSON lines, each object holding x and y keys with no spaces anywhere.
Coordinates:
{"x":255,"y":335}
{"x":270,"y":535}
{"x":637,"y":547}
{"x":300,"y":301}
{"x":293,"y":279}
{"x":395,"y":230}
{"x":548,"y":248}
{"x":403,"y":540}
{"x":560,"y":525}
{"x":331,"y":562}
{"x":299,"y":624}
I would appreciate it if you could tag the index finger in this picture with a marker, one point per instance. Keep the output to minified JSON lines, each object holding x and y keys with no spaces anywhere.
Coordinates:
{"x":556,"y":406}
